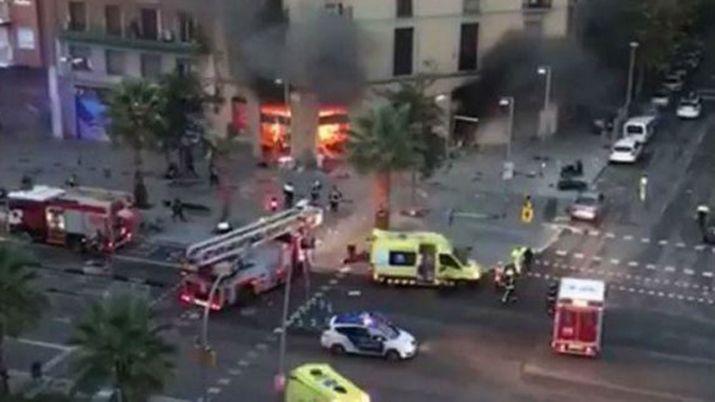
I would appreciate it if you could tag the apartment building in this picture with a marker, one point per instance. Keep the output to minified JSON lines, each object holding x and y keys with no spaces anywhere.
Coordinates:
{"x":443,"y":39}
{"x":98,"y":43}
{"x":20,"y":34}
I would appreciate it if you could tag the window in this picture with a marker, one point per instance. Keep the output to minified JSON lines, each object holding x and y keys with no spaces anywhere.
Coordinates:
{"x":402,"y":63}
{"x":186,"y":27}
{"x":447,"y":261}
{"x":151,"y":65}
{"x":404,"y":8}
{"x":25,"y":38}
{"x":149,"y":23}
{"x":567,"y":324}
{"x":113,"y":20}
{"x":402,"y":258}
{"x":468,"y":42}
{"x":588,"y":326}
{"x":80,"y":56}
{"x":184,"y":66}
{"x":114,"y":62}
{"x":471,"y":6}
{"x":77,"y":16}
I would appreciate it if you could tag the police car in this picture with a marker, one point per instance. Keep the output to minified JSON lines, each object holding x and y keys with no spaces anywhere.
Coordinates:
{"x":368,"y":333}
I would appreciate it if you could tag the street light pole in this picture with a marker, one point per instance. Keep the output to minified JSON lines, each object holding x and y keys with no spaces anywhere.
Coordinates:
{"x":280,"y":378}
{"x":631,"y":70}
{"x":205,"y":331}
{"x":546,"y":70}
{"x":509,"y":101}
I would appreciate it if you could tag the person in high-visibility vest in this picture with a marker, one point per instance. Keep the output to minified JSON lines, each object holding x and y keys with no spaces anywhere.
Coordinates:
{"x":643,"y":187}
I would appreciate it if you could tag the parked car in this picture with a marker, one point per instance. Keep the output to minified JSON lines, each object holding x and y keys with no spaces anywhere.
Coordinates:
{"x":626,"y":150}
{"x":689,"y":107}
{"x":587,"y":206}
{"x":661,"y":97}
{"x":673,"y":82}
{"x":640,"y":128}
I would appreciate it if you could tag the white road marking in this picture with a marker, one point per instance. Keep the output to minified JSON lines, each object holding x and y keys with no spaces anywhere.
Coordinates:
{"x":628,"y":237}
{"x":594,"y":233}
{"x":596,"y":258}
{"x":661,"y":294}
{"x":645,"y":240}
{"x":243,"y":363}
{"x":631,"y":290}
{"x":708,"y":274}
{"x":610,"y":235}
{"x":42,"y":344}
{"x":234,"y":372}
{"x":680,"y":245}
{"x":615,"y":261}
{"x":546,"y":263}
{"x":663,"y":242}
{"x":333,"y":282}
{"x":214,"y":390}
{"x":561,"y":253}
{"x":650,"y":266}
{"x":354,"y":293}
{"x":578,"y":256}
{"x":49,"y":365}
{"x":669,"y":268}
{"x":345,"y":269}
{"x":261,"y":346}
{"x":633,"y":263}
{"x":223,"y":381}
{"x":688,"y":271}
{"x":700,"y":247}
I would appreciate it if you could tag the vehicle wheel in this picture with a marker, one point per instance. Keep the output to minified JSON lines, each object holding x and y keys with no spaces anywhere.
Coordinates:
{"x":337,"y":349}
{"x":392,"y":355}
{"x":246,"y":294}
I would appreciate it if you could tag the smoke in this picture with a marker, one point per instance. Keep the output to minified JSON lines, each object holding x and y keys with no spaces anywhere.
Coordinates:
{"x":318,"y":52}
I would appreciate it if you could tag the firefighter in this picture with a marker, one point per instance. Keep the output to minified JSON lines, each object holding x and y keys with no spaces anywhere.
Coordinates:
{"x":177,"y":210}
{"x":334,"y":198}
{"x":315,"y":190}
{"x":288,"y":195}
{"x":528,"y":258}
{"x":509,"y":284}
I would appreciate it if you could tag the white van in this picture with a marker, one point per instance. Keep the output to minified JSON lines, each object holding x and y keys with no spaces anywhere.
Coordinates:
{"x":626,"y":150}
{"x":640,"y":128}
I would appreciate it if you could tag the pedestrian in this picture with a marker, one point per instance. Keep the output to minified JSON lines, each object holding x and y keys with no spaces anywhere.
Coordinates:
{"x":288,"y":195}
{"x":72,"y":180}
{"x":190,"y":164}
{"x":450,"y":216}
{"x":528,"y":258}
{"x":703,"y":212}
{"x":315,"y":190}
{"x":213,"y":175}
{"x":177,"y":210}
{"x":334,"y":198}
{"x":171,"y":171}
{"x":643,"y":187}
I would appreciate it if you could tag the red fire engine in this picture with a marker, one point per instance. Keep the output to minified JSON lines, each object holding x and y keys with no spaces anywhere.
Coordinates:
{"x":578,"y":319}
{"x":73,"y":217}
{"x":249,"y":260}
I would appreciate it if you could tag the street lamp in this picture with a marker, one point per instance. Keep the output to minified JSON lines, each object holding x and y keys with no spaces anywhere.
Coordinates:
{"x":508,"y":101}
{"x":204,"y":343}
{"x":631,"y":69}
{"x":546,"y":70}
{"x":280,"y":377}
{"x":286,"y":91}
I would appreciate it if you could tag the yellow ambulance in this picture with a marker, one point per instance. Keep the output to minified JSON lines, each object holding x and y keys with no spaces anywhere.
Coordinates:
{"x":316,"y":382}
{"x":419,"y":258}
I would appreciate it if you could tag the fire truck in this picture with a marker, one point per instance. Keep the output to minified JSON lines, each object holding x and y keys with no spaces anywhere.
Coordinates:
{"x":249,"y":260}
{"x":578,"y":319}
{"x":73,"y":217}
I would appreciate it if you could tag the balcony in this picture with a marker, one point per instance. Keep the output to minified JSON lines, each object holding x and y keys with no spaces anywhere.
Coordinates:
{"x":4,"y":12}
{"x":168,"y":44}
{"x":536,"y":5}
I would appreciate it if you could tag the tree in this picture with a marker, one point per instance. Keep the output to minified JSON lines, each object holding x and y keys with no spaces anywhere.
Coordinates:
{"x":183,"y":110}
{"x":424,"y":117}
{"x":382,"y":143}
{"x":136,"y":119}
{"x":120,"y":345}
{"x":21,"y":302}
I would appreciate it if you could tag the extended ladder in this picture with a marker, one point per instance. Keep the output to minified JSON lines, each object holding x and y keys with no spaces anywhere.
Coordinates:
{"x":231,"y":245}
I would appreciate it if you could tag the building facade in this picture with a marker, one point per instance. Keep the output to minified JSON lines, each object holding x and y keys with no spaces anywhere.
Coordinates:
{"x":20,"y":34}
{"x":98,"y":43}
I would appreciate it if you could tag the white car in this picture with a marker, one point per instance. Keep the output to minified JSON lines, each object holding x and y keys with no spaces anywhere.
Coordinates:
{"x":626,"y":150}
{"x":661,"y":98}
{"x":689,"y":108}
{"x":367,"y":333}
{"x":588,"y":206}
{"x":673,"y":82}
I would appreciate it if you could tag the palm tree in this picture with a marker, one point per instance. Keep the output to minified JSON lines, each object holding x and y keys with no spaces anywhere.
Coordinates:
{"x":120,"y":345}
{"x":135,"y":111}
{"x":21,"y":302}
{"x":382,"y":143}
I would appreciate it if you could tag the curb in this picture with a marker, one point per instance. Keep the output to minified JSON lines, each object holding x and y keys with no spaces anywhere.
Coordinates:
{"x":114,"y":277}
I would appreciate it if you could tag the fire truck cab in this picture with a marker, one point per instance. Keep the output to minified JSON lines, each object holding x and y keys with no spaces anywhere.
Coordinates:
{"x":73,"y":217}
{"x":578,"y":319}
{"x":249,"y":260}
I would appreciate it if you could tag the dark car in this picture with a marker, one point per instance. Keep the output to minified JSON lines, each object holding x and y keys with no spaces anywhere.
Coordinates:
{"x":709,"y":235}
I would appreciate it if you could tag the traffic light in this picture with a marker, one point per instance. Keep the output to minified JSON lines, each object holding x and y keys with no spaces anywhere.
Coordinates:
{"x":551,"y":297}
